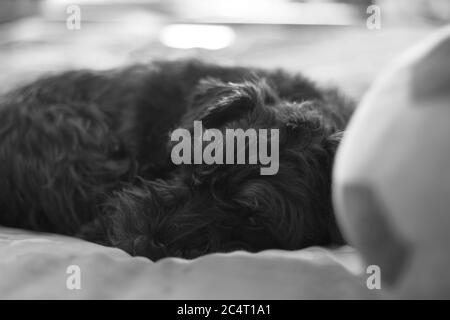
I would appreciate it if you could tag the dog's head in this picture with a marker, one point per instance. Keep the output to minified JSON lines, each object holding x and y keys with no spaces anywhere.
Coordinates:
{"x":221,"y":207}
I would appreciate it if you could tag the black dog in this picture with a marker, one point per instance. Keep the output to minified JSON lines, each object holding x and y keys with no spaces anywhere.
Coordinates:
{"x":88,"y":154}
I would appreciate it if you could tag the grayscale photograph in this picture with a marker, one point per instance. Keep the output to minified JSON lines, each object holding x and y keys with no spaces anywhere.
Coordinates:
{"x":251,"y":151}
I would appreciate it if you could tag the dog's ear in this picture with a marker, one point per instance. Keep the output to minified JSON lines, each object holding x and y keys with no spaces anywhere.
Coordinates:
{"x":215,"y":102}
{"x":332,"y":143}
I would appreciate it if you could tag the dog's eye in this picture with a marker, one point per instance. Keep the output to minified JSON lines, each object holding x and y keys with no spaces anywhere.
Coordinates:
{"x":117,"y":150}
{"x":252,"y":221}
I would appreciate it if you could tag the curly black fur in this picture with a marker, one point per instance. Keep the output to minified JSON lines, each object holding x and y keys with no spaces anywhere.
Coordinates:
{"x":88,"y":154}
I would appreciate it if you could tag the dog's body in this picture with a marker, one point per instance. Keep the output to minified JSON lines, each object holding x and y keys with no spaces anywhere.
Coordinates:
{"x":88,"y":154}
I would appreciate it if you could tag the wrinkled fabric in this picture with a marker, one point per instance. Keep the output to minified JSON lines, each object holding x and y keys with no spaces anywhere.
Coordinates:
{"x":34,"y":266}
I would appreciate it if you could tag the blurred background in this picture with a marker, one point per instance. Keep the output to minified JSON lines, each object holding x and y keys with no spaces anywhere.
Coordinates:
{"x":327,"y":40}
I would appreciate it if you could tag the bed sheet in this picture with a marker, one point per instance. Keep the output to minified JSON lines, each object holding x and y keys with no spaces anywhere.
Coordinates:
{"x":40,"y":266}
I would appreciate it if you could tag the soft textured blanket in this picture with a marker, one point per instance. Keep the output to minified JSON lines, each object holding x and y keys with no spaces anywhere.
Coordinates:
{"x":34,"y":265}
